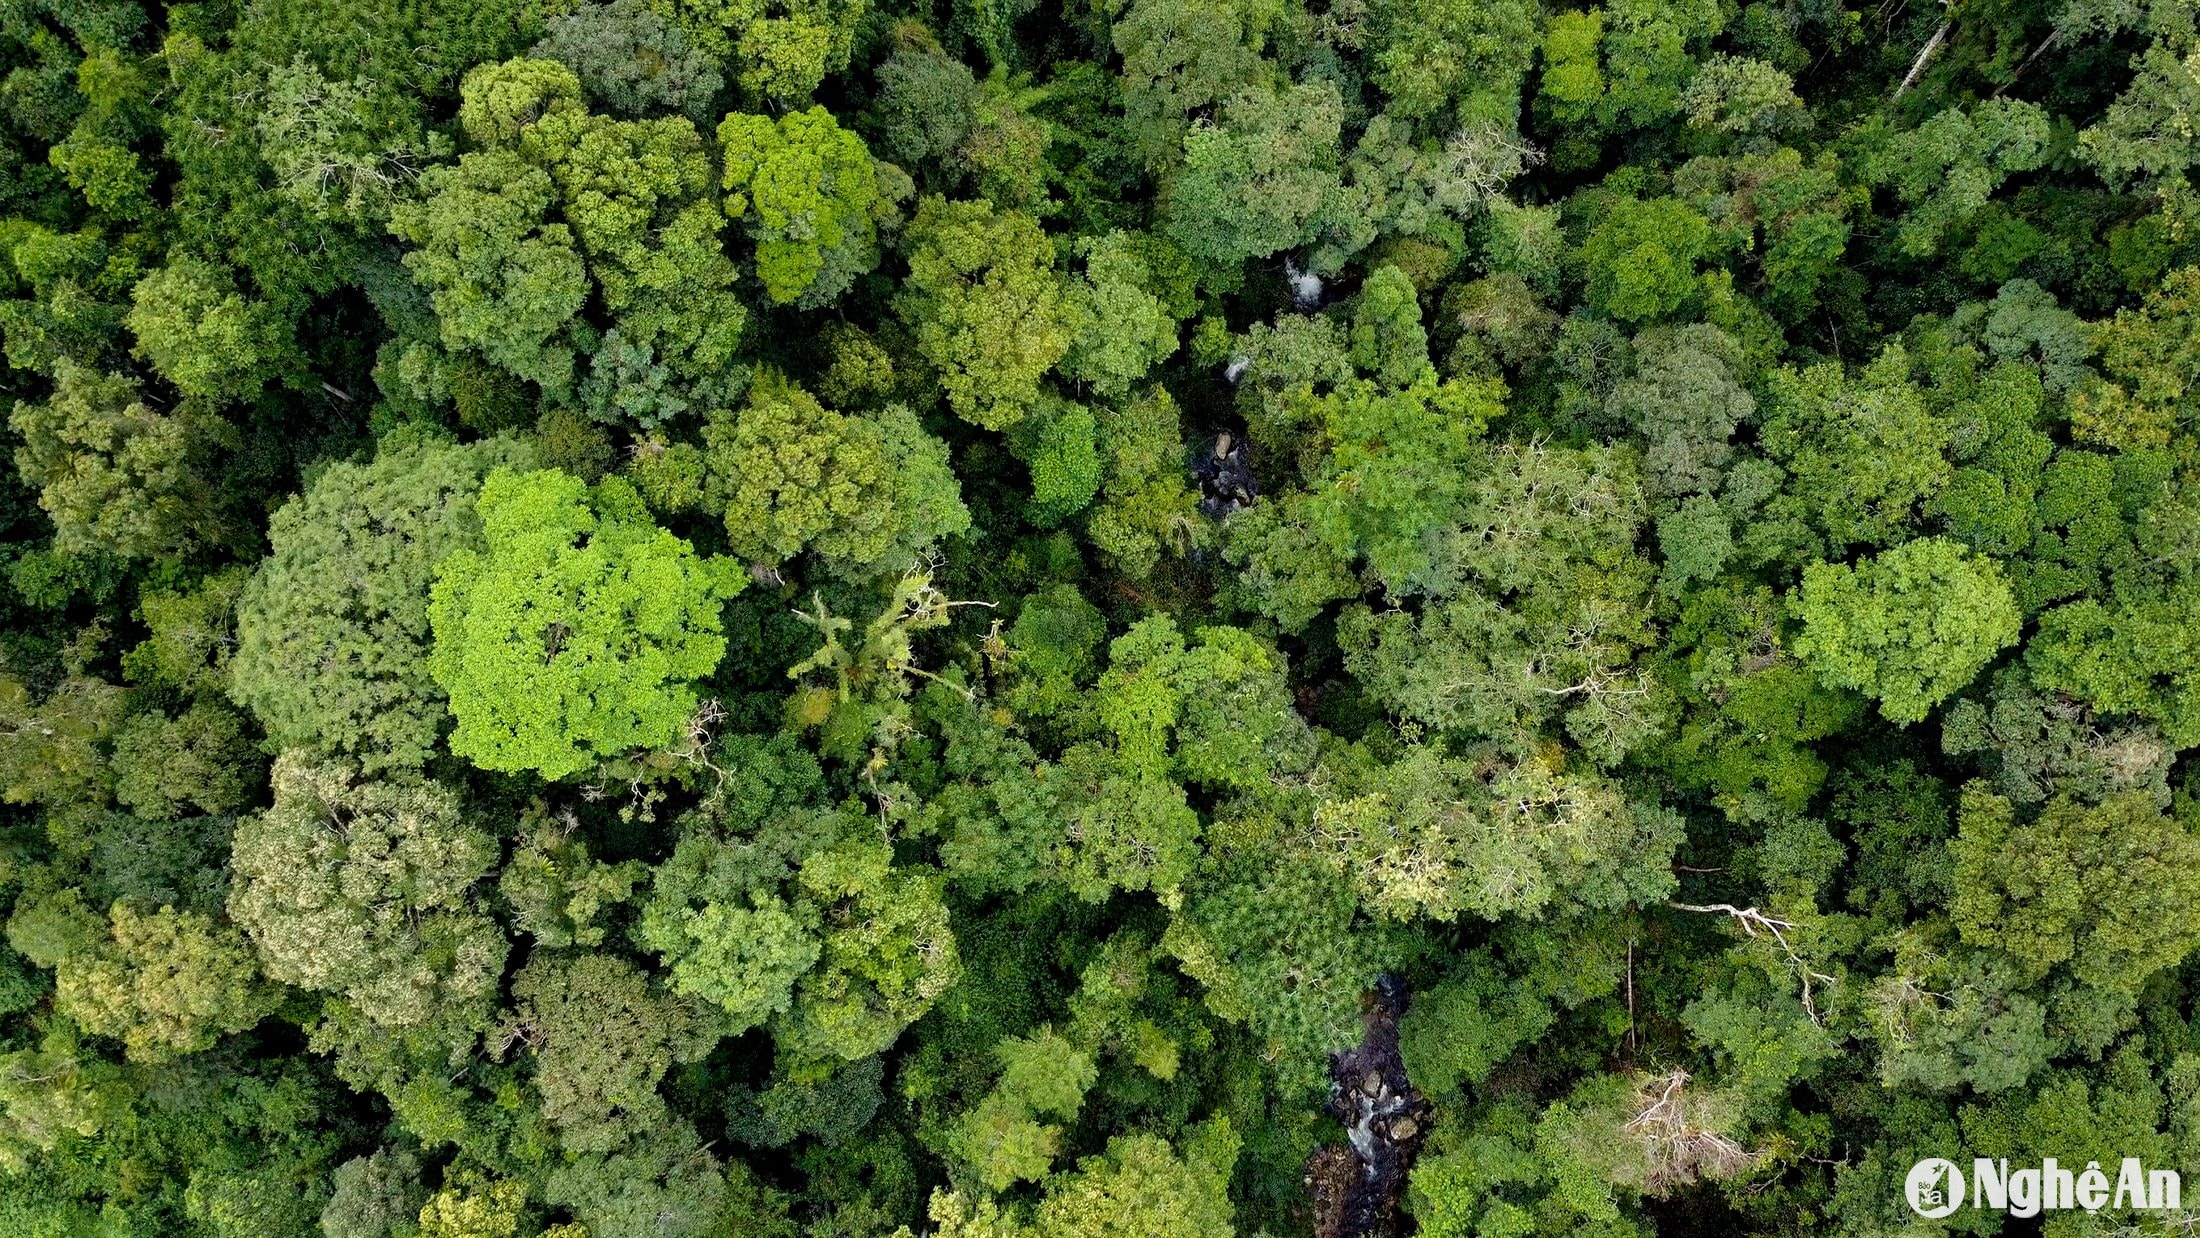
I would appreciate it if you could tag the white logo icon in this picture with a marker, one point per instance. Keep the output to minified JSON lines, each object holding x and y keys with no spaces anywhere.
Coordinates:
{"x":1935,"y":1188}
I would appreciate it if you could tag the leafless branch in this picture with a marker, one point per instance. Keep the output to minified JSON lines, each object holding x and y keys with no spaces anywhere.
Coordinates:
{"x":1918,"y":66}
{"x":1754,"y":922}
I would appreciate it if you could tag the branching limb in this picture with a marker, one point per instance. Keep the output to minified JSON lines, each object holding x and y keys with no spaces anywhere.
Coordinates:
{"x":1754,"y":922}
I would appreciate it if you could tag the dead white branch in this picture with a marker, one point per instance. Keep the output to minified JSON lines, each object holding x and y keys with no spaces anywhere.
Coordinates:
{"x":1753,"y":923}
{"x":1918,"y":66}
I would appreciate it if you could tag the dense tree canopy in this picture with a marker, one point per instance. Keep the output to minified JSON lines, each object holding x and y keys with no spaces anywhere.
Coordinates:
{"x":1150,"y":619}
{"x":331,"y":641}
{"x":361,"y":888}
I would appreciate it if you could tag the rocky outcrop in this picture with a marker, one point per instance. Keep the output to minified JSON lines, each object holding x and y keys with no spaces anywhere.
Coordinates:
{"x":1225,"y":477}
{"x":1356,"y":1186}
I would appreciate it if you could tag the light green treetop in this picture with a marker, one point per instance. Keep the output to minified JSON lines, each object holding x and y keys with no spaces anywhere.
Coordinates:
{"x":503,"y":275}
{"x":1123,"y":329}
{"x":575,"y":635}
{"x":779,"y":48}
{"x":2109,"y":889}
{"x":805,"y":188}
{"x":115,"y":473}
{"x":865,"y":492}
{"x":200,"y":334}
{"x":1910,"y":626}
{"x":1944,"y":170}
{"x":986,"y":307}
{"x":563,"y":211}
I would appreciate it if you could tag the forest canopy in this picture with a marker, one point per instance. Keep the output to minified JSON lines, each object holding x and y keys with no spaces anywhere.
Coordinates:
{"x":1160,"y":619}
